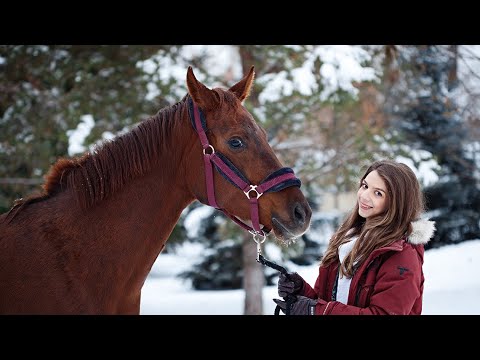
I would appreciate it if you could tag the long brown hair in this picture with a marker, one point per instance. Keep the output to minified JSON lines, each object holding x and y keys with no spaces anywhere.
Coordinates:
{"x":405,"y":203}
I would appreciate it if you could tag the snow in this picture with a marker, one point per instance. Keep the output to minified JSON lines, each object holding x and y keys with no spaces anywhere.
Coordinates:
{"x":341,"y":68}
{"x":77,"y":136}
{"x":452,"y":285}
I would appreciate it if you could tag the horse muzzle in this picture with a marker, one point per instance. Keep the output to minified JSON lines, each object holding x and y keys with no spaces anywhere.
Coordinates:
{"x":298,"y":223}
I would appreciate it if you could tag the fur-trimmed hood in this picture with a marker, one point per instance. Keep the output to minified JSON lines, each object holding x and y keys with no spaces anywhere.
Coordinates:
{"x":422,"y":231}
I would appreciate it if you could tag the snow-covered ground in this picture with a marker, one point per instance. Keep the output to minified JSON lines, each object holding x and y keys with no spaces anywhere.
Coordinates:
{"x":452,"y":285}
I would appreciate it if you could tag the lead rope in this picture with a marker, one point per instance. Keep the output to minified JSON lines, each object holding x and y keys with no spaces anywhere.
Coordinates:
{"x":289,"y":299}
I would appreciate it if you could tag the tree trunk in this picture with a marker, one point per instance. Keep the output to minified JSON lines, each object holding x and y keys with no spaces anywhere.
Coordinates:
{"x":452,"y":74}
{"x":253,"y":277}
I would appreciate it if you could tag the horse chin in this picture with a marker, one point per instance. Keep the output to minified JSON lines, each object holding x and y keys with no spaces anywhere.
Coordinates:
{"x":282,"y":234}
{"x":266,"y":230}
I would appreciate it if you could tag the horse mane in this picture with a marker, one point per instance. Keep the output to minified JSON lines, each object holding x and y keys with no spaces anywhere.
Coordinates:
{"x":96,"y":175}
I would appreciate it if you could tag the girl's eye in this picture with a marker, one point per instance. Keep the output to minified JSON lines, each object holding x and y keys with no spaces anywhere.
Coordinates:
{"x":378,"y":193}
{"x":364,"y":186}
{"x":235,"y":143}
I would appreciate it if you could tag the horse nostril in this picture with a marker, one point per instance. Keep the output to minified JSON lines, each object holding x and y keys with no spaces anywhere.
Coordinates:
{"x":299,"y":214}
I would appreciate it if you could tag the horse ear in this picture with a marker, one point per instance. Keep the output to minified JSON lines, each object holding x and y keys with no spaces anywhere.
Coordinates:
{"x":203,"y":97}
{"x":243,"y":87}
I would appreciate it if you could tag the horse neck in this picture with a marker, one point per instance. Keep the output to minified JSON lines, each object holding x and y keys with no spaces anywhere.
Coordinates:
{"x":139,"y":218}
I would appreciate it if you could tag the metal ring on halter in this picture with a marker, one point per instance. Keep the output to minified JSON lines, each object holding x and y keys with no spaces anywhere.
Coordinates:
{"x":252,"y":188}
{"x":255,"y":234}
{"x":211,"y":147}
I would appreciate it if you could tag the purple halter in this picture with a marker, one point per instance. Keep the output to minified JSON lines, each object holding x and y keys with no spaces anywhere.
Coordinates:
{"x":276,"y":181}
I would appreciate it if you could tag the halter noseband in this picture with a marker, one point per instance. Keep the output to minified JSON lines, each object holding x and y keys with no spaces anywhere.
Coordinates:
{"x":278,"y":180}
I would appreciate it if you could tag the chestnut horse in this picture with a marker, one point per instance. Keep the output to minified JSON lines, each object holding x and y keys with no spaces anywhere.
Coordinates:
{"x":86,"y":244}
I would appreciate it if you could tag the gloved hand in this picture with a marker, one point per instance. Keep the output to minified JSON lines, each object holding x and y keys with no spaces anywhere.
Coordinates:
{"x":303,"y":306}
{"x":290,"y":286}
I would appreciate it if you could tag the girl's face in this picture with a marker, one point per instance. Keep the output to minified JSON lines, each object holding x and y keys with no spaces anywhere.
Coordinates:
{"x":372,"y":196}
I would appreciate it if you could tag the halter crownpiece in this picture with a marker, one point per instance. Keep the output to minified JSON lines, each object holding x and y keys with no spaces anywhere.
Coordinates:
{"x":276,"y":181}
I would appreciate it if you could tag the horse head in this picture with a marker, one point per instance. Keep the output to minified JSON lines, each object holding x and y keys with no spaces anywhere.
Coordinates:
{"x":242,"y":150}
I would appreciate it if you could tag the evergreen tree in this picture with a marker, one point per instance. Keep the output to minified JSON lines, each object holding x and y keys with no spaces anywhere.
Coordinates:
{"x":44,"y":91}
{"x":430,"y":120}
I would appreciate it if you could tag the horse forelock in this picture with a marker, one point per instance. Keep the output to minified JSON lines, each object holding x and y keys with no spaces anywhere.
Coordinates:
{"x":226,"y":97}
{"x":97,"y":174}
{"x":228,"y":101}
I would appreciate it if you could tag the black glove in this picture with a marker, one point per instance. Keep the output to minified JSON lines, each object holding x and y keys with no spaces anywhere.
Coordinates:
{"x":303,"y":306}
{"x":291,"y":285}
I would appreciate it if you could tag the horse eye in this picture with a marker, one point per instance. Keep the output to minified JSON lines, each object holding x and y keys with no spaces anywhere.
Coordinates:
{"x":235,"y":143}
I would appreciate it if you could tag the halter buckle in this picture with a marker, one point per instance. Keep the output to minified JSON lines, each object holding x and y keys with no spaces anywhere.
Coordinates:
{"x":252,"y":188}
{"x":211,"y":147}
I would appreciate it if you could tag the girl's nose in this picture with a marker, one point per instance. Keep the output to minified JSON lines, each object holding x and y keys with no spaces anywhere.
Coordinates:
{"x":365,"y":198}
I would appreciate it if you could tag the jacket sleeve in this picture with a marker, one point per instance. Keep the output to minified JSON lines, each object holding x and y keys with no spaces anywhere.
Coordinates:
{"x":308,"y":291}
{"x":398,"y":284}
